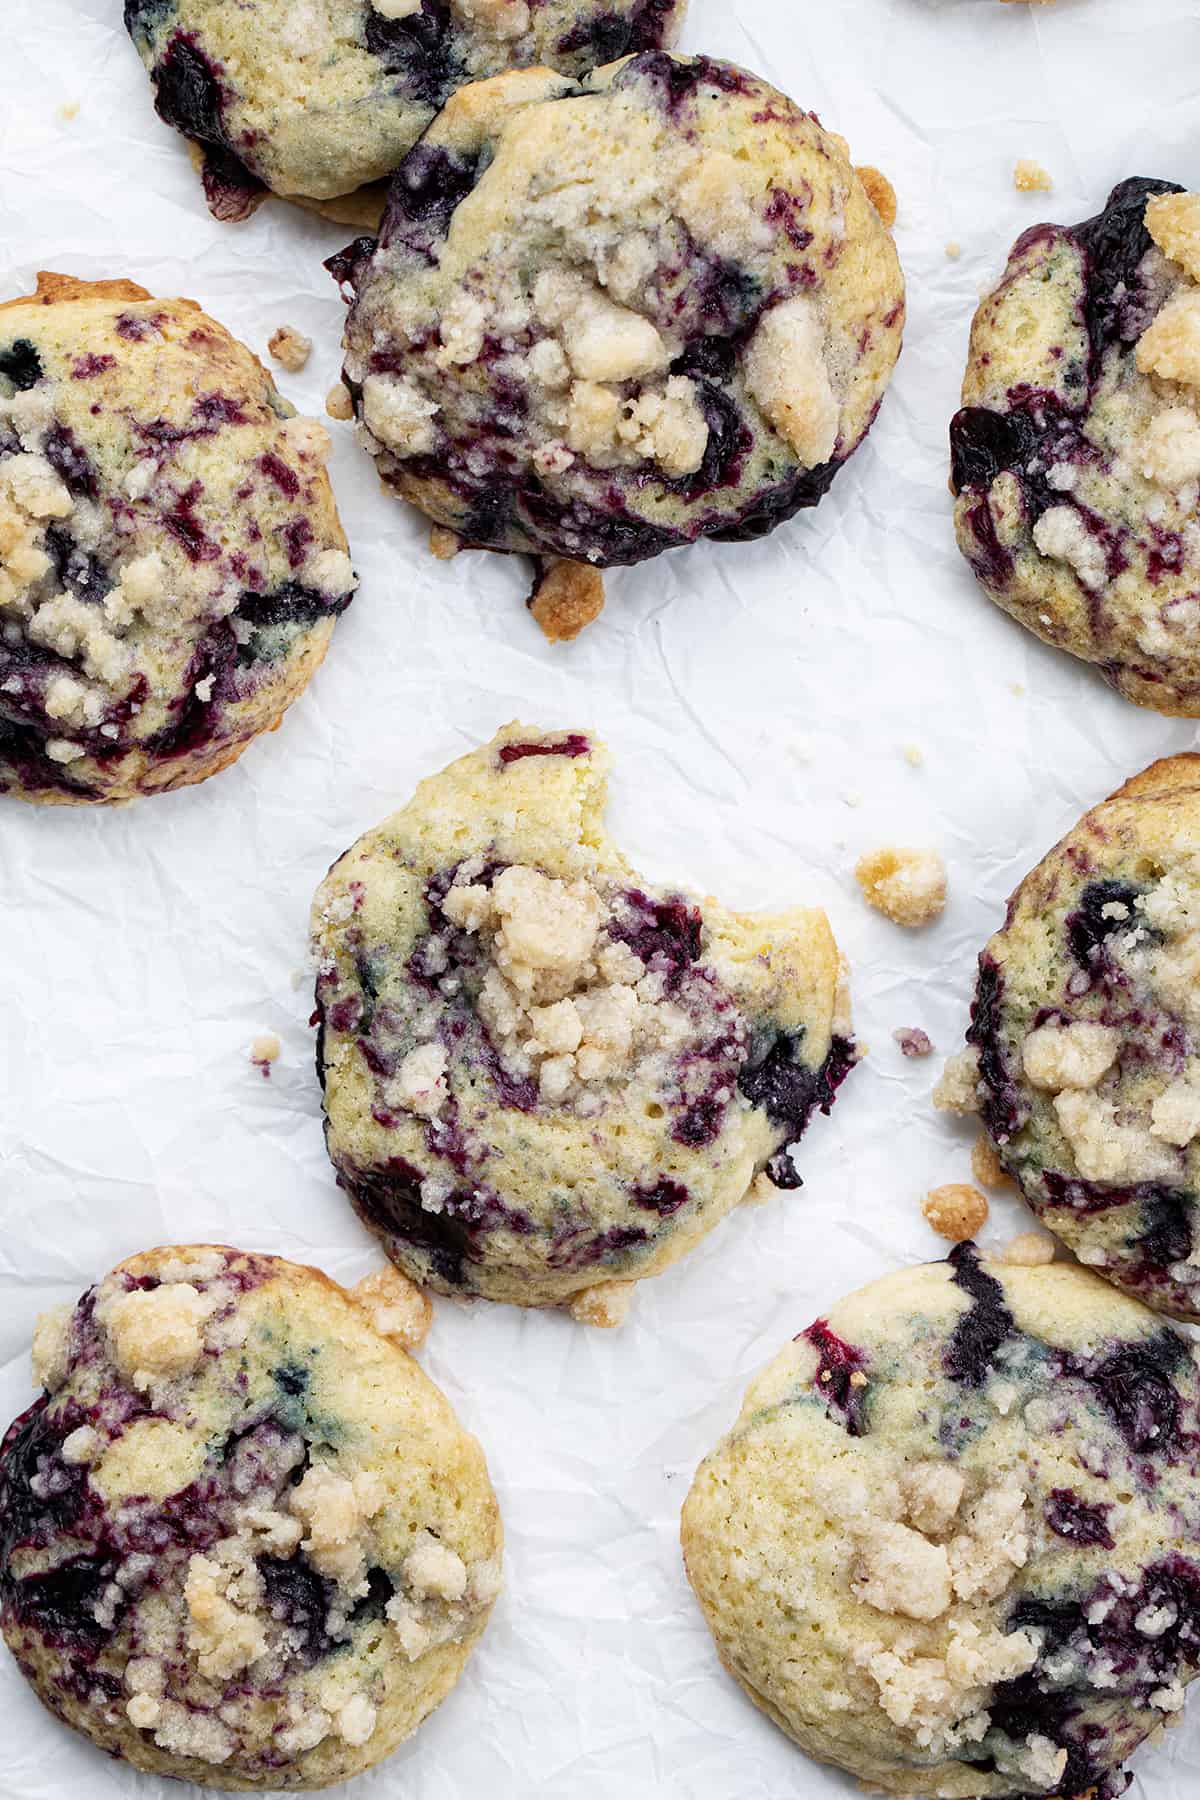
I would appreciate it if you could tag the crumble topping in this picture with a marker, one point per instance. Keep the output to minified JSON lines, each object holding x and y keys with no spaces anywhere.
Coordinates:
{"x":223,"y":1594}
{"x":1104,"y":1149}
{"x":157,"y":1331}
{"x":51,"y":1356}
{"x":957,"y":1211}
{"x":336,"y":1511}
{"x":1170,"y":449}
{"x":557,"y":998}
{"x":1070,"y":1056}
{"x":1173,"y":221}
{"x":787,"y":374}
{"x":927,"y":1564}
{"x":907,"y":886}
{"x":957,"y":1090}
{"x":397,"y":1307}
{"x":1062,"y":533}
{"x":1170,"y":344}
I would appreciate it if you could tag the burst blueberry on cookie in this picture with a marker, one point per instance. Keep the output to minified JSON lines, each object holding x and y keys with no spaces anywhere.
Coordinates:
{"x":243,"y":1540}
{"x":952,"y":1543}
{"x":315,"y":99}
{"x":171,"y":559}
{"x":1084,"y":1055}
{"x":609,"y":317}
{"x":543,"y":1075}
{"x":1076,"y":457}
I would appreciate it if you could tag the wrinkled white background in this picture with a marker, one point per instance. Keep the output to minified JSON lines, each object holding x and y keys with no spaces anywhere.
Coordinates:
{"x":758,"y":698}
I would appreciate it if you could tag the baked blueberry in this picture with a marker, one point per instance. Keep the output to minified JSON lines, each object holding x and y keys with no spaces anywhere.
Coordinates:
{"x":1076,"y":456}
{"x":959,"y":1575}
{"x":317,"y":100}
{"x":605,"y":318}
{"x":1084,"y":1055}
{"x":243,"y":1540}
{"x":544,"y":1076}
{"x":171,"y":559}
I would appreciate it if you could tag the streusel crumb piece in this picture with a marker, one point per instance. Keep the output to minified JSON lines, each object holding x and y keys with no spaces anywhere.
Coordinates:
{"x":1029,"y":177}
{"x":1028,"y":1250}
{"x":606,"y":1305}
{"x":986,"y":1166}
{"x":956,"y":1211}
{"x":566,"y":596}
{"x":290,"y":348}
{"x":907,"y":886}
{"x":338,"y":403}
{"x":880,"y":193}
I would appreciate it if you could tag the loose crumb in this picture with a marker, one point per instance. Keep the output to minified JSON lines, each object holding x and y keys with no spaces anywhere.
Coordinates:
{"x":69,"y":110}
{"x":606,"y":1305}
{"x":914,"y":755}
{"x":986,"y":1166}
{"x":880,"y":193}
{"x":398,"y":1308}
{"x":913,"y":1041}
{"x":907,"y":886}
{"x":1029,"y":1250}
{"x":956,"y":1211}
{"x":1029,"y":177}
{"x":338,"y":403}
{"x":566,"y":596}
{"x":444,"y":543}
{"x":957,"y":1090}
{"x":265,"y":1050}
{"x":954,"y":249}
{"x":290,"y":348}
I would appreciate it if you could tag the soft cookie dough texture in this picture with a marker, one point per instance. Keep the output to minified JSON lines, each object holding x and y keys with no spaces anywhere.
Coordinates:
{"x":1085,"y":1035}
{"x":542,"y":1074}
{"x":171,"y":558}
{"x":1076,"y":457}
{"x":605,"y":318}
{"x":243,"y":1540}
{"x":314,"y":99}
{"x":952,"y":1543}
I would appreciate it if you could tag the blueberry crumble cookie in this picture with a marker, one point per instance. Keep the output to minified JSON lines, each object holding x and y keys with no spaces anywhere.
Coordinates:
{"x":952,"y":1543}
{"x":1076,"y":457}
{"x":313,"y":99}
{"x":243,"y":1540}
{"x":171,"y":558}
{"x":546,"y":1078}
{"x":605,"y":318}
{"x":1084,"y":1055}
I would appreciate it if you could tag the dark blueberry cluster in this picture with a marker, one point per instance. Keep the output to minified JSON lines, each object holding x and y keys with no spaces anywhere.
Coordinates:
{"x":970,"y":1355}
{"x":1004,"y":1109}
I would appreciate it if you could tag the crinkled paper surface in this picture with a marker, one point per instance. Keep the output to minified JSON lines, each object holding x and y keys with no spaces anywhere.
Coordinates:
{"x":759,"y":700}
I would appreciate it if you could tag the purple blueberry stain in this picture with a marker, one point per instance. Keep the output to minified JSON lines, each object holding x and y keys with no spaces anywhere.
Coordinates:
{"x":189,"y":96}
{"x":572,"y":745}
{"x":1080,"y":1522}
{"x":664,"y":1196}
{"x":835,"y":1380}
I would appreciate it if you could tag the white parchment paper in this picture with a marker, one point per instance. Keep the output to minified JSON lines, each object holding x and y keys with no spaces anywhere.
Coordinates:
{"x":759,"y":699}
